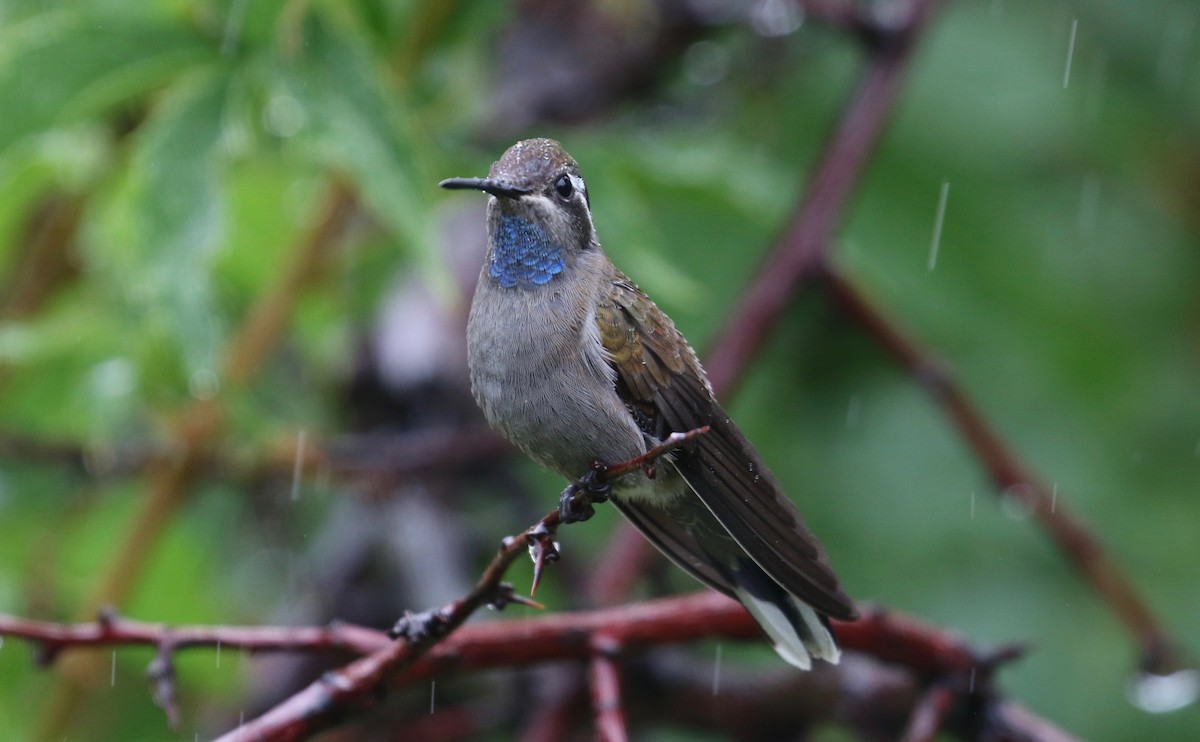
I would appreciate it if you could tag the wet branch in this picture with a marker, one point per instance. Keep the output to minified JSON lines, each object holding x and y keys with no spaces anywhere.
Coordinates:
{"x":110,"y":629}
{"x":800,"y":256}
{"x":1012,"y":478}
{"x":930,"y":655}
{"x":929,"y":715}
{"x":604,"y":679}
{"x":325,"y":702}
{"x":801,"y":251}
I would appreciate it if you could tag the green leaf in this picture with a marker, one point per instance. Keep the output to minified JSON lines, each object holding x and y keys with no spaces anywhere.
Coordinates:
{"x":350,"y":123}
{"x":61,"y":66}
{"x":176,"y":213}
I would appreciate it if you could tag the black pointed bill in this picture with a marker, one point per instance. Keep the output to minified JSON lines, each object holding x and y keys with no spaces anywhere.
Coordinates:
{"x":500,"y":188}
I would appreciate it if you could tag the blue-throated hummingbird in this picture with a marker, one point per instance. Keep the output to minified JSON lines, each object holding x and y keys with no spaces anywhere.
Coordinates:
{"x":574,"y":364}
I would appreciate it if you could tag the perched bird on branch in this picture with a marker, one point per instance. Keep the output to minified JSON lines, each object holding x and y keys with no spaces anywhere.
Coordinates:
{"x":575,"y":365}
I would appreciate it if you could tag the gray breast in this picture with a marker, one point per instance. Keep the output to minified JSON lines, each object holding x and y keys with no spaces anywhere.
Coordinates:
{"x":539,"y":373}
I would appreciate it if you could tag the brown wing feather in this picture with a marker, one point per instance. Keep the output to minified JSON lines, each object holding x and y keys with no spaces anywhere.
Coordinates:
{"x":662,"y":382}
{"x":663,"y":530}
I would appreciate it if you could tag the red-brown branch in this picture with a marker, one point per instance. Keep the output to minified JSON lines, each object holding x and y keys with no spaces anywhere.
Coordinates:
{"x":322,"y":703}
{"x":927,"y":652}
{"x":929,"y":714}
{"x":1013,"y":479}
{"x":53,"y":638}
{"x":604,"y":679}
{"x":800,"y":253}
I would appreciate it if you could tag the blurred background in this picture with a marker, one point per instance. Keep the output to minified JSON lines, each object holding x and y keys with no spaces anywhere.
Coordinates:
{"x":232,"y":376}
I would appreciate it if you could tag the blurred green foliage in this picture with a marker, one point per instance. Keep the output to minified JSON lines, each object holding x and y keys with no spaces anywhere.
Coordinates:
{"x":204,"y":138}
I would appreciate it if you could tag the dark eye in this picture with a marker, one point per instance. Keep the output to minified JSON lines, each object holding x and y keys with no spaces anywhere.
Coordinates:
{"x":564,"y":186}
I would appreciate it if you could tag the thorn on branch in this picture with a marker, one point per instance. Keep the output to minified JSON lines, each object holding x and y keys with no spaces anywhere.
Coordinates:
{"x":504,"y":594}
{"x":1003,"y":655}
{"x":543,"y":549}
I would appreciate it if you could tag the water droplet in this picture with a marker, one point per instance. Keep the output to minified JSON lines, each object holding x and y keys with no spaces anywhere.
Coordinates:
{"x":1019,"y":501}
{"x":937,"y":225}
{"x":776,"y":17}
{"x":1160,"y":694}
{"x":1070,"y":53}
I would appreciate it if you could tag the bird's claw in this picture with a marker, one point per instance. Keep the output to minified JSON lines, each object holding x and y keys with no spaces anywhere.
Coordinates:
{"x":575,"y":503}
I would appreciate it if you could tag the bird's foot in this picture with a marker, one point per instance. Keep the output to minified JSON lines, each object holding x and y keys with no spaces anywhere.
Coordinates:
{"x":575,"y":502}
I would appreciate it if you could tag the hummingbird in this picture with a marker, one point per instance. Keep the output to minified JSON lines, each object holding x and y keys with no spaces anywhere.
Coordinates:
{"x":574,"y":364}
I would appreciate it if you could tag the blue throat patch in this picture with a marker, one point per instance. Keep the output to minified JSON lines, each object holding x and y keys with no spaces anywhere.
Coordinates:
{"x":523,"y":255}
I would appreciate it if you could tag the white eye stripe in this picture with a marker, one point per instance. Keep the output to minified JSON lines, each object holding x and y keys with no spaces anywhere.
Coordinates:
{"x":578,"y":183}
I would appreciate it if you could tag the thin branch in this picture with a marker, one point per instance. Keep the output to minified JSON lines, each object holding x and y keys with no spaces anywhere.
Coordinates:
{"x":1013,"y":479}
{"x":111,"y":630}
{"x":44,"y":261}
{"x":806,"y":240}
{"x":1015,"y":723}
{"x":324,"y":702}
{"x":676,"y":620}
{"x":887,"y":637}
{"x":604,"y":679}
{"x":929,"y":715}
